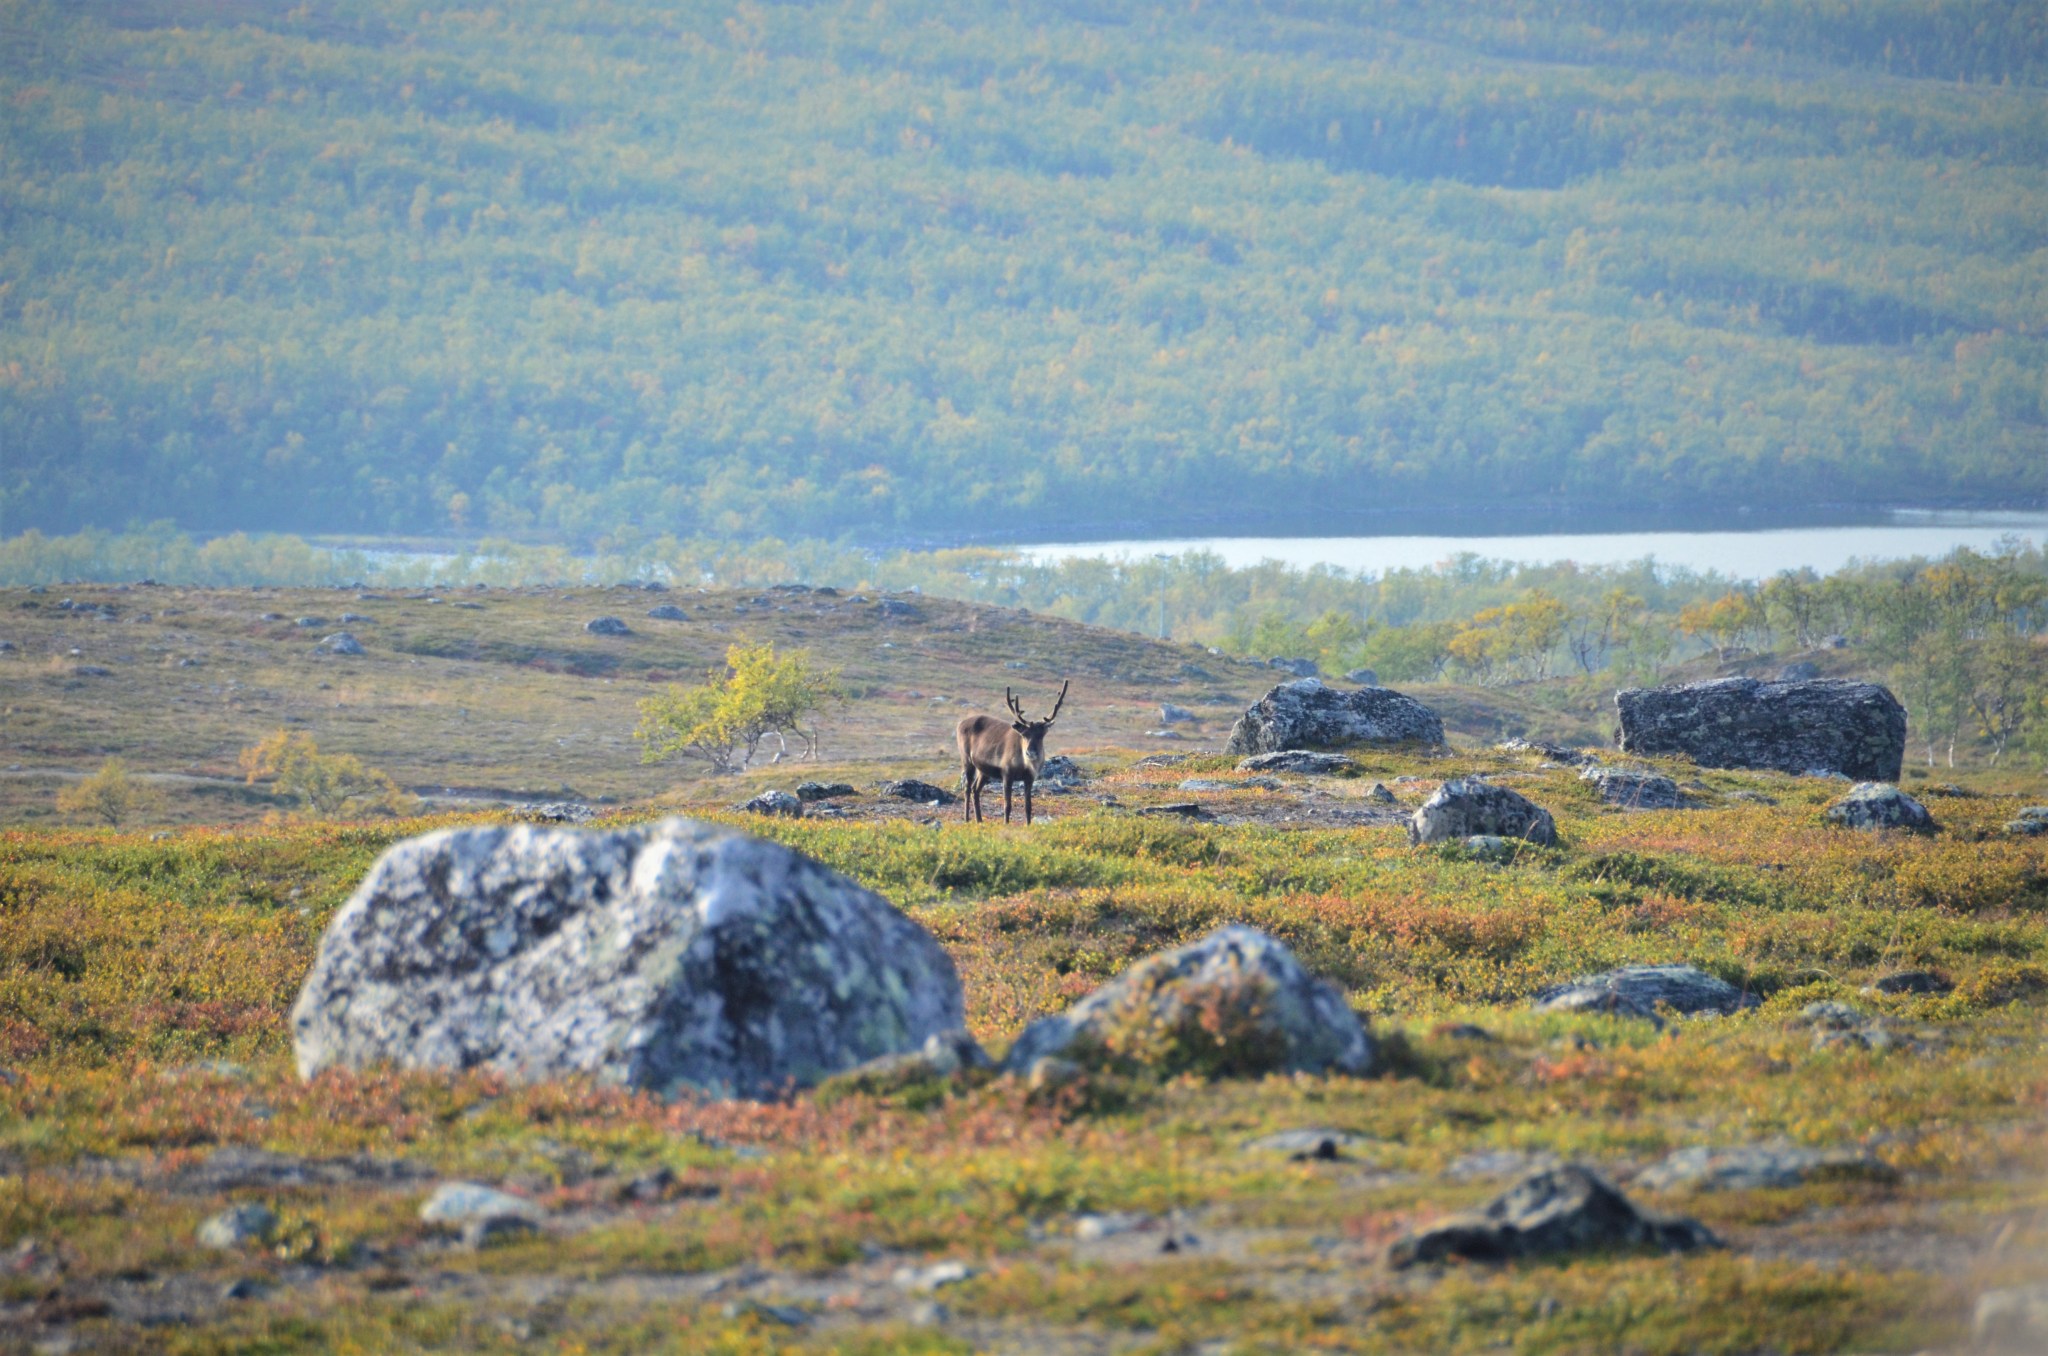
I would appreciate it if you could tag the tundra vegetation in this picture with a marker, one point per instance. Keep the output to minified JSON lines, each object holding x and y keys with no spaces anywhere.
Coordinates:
{"x":146,"y":976}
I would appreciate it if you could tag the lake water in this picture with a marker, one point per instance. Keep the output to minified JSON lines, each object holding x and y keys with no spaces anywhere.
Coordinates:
{"x":1745,"y":555}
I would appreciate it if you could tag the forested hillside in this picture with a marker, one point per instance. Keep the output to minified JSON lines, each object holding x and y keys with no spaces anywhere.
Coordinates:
{"x":603,"y":269}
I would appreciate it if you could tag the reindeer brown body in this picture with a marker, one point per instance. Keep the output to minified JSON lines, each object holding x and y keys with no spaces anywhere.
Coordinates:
{"x":1013,"y":751}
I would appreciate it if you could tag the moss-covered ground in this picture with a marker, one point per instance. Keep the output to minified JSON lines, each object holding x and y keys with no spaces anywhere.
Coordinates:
{"x":145,"y":979}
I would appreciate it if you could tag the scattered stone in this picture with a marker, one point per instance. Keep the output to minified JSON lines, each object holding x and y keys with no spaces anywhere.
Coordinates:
{"x":1467,"y":806}
{"x":2029,"y":822}
{"x":924,"y":1280}
{"x":341,"y":642}
{"x":1839,"y":1016}
{"x":1559,"y":1210}
{"x":1363,"y":677}
{"x":1300,"y":668}
{"x":355,"y":619}
{"x":1799,"y":671}
{"x":908,"y":788}
{"x":1297,"y":1022}
{"x":1060,"y":773}
{"x":1162,"y":734}
{"x":1556,"y":753}
{"x":457,"y":1205}
{"x":775,"y":803}
{"x":1875,"y":805}
{"x":668,"y":612}
{"x":1296,"y":760}
{"x":559,"y":812}
{"x":1492,"y":847}
{"x":271,"y":616}
{"x":607,"y":626}
{"x":781,"y":1315}
{"x":243,"y":1288}
{"x":1635,"y":790}
{"x":1640,"y":990}
{"x":1184,"y":809}
{"x":1312,"y":1144}
{"x":1305,"y":714}
{"x":91,"y":671}
{"x":1910,"y":981}
{"x":1222,"y":784}
{"x":1952,"y":790}
{"x":944,"y":1055}
{"x":1169,"y":714}
{"x":661,"y":956}
{"x":1755,"y":1167}
{"x":897,"y":610}
{"x":1378,"y":792}
{"x":308,"y":623}
{"x":927,"y":1314}
{"x":2012,"y":1322}
{"x":239,"y":1225}
{"x":1162,"y":760}
{"x":809,"y":792}
{"x":1094,"y":1228}
{"x":1858,"y":729}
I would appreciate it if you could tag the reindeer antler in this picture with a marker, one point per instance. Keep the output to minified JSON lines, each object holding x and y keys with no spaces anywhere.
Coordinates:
{"x":1015,"y":709}
{"x":1059,"y":703}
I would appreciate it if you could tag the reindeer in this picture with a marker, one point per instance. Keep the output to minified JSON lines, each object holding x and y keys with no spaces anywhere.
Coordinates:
{"x":1014,"y":752}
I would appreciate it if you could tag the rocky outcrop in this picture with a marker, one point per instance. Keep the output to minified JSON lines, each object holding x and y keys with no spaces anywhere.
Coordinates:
{"x":666,"y":956}
{"x":1874,"y":805}
{"x":1640,"y":990}
{"x":2029,"y":822}
{"x":341,"y":642}
{"x":1467,"y":807}
{"x":1237,"y":994}
{"x":1305,"y":714}
{"x":1559,"y":1210}
{"x":1819,"y":726}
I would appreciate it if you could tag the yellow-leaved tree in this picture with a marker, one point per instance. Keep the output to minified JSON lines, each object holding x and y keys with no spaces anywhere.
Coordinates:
{"x":323,"y":783}
{"x":109,"y":795}
{"x":760,"y":694}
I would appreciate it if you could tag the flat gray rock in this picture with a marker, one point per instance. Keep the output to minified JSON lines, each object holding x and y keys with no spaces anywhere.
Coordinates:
{"x":1306,"y":714}
{"x":1557,"y":1211}
{"x":1752,"y":1167}
{"x":1305,"y":761}
{"x":1467,"y":807}
{"x":1224,"y":784}
{"x":668,"y":612}
{"x":1635,"y":790}
{"x":1876,"y":805}
{"x":662,"y":956}
{"x":924,"y":793}
{"x":456,"y":1204}
{"x":1826,"y":724}
{"x":775,"y":803}
{"x":1302,"y":1024}
{"x":238,"y":1226}
{"x":607,"y":626}
{"x":1639,"y":990}
{"x":341,"y":642}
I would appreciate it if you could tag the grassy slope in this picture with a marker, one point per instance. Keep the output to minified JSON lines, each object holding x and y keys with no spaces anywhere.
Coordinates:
{"x":124,"y":958}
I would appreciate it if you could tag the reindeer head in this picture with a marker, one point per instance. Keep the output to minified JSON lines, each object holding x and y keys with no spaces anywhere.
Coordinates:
{"x":1032,"y":732}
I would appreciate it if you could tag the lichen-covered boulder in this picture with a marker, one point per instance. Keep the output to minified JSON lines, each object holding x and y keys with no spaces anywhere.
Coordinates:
{"x":1822,"y":725}
{"x":775,"y":803}
{"x":1466,"y":807}
{"x":1874,"y":805}
{"x":1306,"y":714}
{"x":667,"y":956}
{"x":1236,"y":1002}
{"x":1560,"y":1210}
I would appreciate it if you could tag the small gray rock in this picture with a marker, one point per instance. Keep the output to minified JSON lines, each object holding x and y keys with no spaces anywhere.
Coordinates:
{"x":937,"y":1276}
{"x":1223,"y":784}
{"x":1304,"y":761}
{"x":809,"y":792}
{"x":91,"y":671}
{"x":1300,"y":668}
{"x":781,"y":1315}
{"x":1094,"y":1228}
{"x":1379,"y":792}
{"x":1560,"y":1210}
{"x":1556,"y":753}
{"x":668,"y":612}
{"x":897,"y":610}
{"x":1310,"y":1026}
{"x":456,"y":1205}
{"x":1467,"y":806}
{"x":1169,"y":714}
{"x":2029,"y":822}
{"x":1060,"y":773}
{"x":775,"y":803}
{"x":1799,"y":671}
{"x":341,"y":642}
{"x":493,"y":1229}
{"x":1162,"y":760}
{"x":1363,"y":677}
{"x":1312,"y":1144}
{"x":909,"y":788}
{"x":308,"y":623}
{"x":607,"y":626}
{"x":1877,"y":805}
{"x":1910,"y":981}
{"x":1753,"y":1167}
{"x":1180,"y":809}
{"x":1639,"y":990}
{"x":239,"y":1225}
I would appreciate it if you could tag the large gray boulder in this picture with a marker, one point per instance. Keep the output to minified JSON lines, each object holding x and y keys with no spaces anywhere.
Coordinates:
{"x":665,"y":956}
{"x":1466,"y":807}
{"x":1305,"y":714}
{"x":1822,"y":725}
{"x":1875,"y":805}
{"x":1296,"y":1022}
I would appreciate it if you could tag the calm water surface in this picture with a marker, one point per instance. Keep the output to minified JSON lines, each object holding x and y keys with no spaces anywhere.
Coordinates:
{"x":1747,"y":555}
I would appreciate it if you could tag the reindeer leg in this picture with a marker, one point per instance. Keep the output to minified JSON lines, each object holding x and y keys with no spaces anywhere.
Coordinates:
{"x":1006,"y":797}
{"x":1027,"y":802}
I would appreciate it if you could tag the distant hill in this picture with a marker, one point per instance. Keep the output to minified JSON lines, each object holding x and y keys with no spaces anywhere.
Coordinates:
{"x":604,"y":269}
